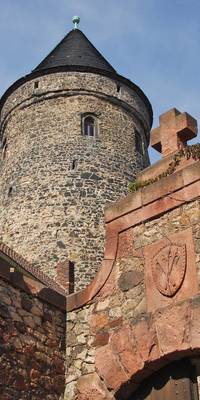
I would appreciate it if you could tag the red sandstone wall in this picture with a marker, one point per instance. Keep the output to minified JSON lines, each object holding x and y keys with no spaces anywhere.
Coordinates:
{"x":133,"y":322}
{"x":32,"y":346}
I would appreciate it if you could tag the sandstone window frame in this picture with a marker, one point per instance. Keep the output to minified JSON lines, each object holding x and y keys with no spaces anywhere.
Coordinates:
{"x":89,"y":125}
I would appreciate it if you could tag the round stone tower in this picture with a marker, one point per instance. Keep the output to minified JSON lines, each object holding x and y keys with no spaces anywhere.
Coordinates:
{"x":73,"y":134}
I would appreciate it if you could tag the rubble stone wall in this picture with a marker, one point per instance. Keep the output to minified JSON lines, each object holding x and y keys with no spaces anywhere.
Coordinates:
{"x":55,"y":181}
{"x":32,"y":346}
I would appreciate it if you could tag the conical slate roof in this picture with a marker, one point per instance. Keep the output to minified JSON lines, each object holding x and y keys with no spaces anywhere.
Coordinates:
{"x":75,"y":53}
{"x":75,"y":50}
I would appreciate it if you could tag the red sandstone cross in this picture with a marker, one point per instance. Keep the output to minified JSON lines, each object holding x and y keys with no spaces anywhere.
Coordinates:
{"x":174,"y":131}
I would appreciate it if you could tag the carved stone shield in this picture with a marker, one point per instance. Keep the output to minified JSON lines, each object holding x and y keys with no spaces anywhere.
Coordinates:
{"x":168,"y":268}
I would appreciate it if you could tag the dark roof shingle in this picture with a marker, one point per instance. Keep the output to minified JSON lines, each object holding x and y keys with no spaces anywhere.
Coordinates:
{"x":75,"y":50}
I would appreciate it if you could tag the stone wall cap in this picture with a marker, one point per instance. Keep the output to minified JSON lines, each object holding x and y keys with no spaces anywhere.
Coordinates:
{"x":129,"y":203}
{"x":153,"y":192}
{"x":161,"y":166}
{"x":20,"y":273}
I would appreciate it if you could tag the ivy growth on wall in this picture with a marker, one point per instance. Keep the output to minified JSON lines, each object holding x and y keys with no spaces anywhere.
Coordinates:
{"x":192,"y":151}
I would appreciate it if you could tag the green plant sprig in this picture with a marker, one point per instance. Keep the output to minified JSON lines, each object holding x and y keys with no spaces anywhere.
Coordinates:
{"x":192,"y":151}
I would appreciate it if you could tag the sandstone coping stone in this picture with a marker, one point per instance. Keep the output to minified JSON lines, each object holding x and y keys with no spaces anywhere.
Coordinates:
{"x":154,"y":170}
{"x":148,"y":212}
{"x":123,"y":206}
{"x":154,"y":191}
{"x":12,"y":271}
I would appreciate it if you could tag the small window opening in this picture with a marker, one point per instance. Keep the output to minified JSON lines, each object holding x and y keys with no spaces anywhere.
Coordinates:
{"x":89,"y":126}
{"x":4,"y":142}
{"x":118,"y":88}
{"x":4,"y":151}
{"x":10,"y":191}
{"x":73,"y":165}
{"x":138,"y":143}
{"x":36,"y":85}
{"x":4,"y":146}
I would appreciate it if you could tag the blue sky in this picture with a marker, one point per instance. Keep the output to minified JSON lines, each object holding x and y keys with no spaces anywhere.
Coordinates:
{"x":155,"y":43}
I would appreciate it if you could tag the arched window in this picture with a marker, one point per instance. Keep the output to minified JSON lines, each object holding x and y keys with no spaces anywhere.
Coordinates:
{"x":89,"y":126}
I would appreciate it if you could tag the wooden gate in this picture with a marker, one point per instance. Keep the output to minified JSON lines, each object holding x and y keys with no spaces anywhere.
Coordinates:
{"x":177,"y":381}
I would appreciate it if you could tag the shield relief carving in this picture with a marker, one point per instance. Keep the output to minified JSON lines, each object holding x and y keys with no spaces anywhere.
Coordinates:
{"x":169,"y":268}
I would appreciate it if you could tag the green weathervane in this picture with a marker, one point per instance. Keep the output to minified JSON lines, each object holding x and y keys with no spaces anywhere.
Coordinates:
{"x":76,"y":21}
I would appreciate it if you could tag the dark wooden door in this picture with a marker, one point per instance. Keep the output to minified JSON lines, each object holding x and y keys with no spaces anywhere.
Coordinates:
{"x":177,"y":381}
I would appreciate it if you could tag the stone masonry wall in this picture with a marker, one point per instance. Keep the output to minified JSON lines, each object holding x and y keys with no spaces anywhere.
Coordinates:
{"x":113,"y":337}
{"x":51,"y":210}
{"x":32,"y":346}
{"x":62,"y":82}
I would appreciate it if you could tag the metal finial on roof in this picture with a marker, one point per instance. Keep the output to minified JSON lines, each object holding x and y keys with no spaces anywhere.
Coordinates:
{"x":76,"y":21}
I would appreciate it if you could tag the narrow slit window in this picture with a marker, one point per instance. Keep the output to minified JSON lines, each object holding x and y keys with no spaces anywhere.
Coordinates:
{"x":118,"y":88}
{"x":138,"y":143}
{"x":10,"y":191}
{"x":36,"y":85}
{"x":73,"y":166}
{"x":4,"y":146}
